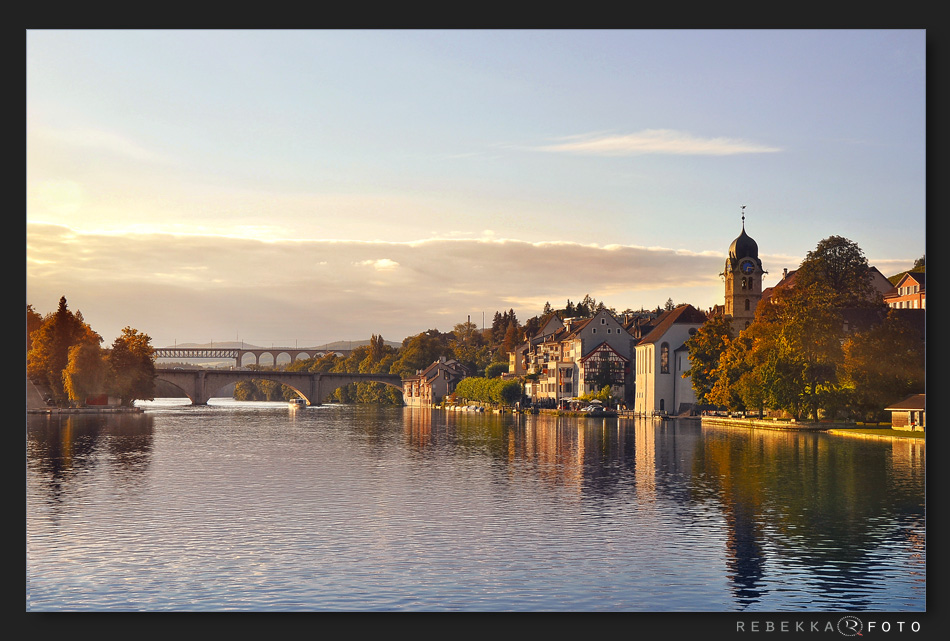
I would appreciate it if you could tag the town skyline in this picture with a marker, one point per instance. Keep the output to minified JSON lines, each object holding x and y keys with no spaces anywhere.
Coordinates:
{"x":315,"y":186}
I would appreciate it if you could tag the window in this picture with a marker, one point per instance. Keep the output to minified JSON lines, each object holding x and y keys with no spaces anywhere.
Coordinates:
{"x":603,"y":321}
{"x":665,"y":358}
{"x":747,"y":304}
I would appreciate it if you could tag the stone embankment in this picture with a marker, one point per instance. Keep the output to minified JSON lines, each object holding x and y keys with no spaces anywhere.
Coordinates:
{"x":772,"y":424}
{"x":85,"y":410}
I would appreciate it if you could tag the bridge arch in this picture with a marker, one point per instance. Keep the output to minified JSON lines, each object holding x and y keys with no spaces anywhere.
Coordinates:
{"x":200,"y":385}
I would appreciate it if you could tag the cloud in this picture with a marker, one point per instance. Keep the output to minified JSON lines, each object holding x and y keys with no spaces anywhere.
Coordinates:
{"x":657,"y":141}
{"x":380,"y":265}
{"x":196,"y":288}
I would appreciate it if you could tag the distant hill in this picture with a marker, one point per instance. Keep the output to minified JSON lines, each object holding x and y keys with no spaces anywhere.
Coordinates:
{"x":896,"y":278}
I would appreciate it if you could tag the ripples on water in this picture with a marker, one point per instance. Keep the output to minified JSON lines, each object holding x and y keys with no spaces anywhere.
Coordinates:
{"x":255,"y":506}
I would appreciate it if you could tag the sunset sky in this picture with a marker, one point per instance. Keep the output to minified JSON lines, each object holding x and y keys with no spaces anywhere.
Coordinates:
{"x":300,"y":187}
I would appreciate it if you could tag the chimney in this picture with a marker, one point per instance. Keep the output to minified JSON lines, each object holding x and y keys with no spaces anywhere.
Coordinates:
{"x":784,"y":273}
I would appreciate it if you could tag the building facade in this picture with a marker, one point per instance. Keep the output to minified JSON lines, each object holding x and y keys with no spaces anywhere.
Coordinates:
{"x":910,"y":292}
{"x":429,"y":386}
{"x":576,"y":356}
{"x":661,"y":358}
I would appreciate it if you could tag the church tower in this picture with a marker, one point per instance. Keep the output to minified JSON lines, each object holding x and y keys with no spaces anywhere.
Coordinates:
{"x":743,"y":276}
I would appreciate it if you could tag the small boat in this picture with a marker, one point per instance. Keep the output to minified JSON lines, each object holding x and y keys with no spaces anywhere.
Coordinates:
{"x":298,"y":402}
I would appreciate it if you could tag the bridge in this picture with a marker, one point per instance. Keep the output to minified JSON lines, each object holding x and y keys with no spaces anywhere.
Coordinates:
{"x":238,"y":353}
{"x":201,"y":384}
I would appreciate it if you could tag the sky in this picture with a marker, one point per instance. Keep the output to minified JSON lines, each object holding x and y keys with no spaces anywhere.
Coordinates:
{"x":293,"y":188}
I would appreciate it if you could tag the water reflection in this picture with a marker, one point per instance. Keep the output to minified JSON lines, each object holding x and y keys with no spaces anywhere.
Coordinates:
{"x":617,"y":513}
{"x":63,"y":448}
{"x":829,"y":506}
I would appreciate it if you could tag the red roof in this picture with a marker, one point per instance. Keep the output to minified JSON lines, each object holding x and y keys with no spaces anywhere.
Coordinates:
{"x":682,"y":314}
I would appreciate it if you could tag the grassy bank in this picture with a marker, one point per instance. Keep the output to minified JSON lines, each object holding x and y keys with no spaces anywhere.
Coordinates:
{"x":880,"y":431}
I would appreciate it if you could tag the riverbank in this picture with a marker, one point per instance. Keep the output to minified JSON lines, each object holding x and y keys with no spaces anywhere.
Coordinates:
{"x":85,"y":410}
{"x":848,"y":429}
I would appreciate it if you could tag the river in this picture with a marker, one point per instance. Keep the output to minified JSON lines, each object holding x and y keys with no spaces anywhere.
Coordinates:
{"x":260,"y":507}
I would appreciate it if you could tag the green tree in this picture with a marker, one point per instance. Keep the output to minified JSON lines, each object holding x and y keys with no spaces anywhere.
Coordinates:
{"x":496,"y":369}
{"x":420,"y":351}
{"x":469,"y":347}
{"x":796,"y":346}
{"x":840,"y":265}
{"x":132,"y":366}
{"x":883,"y":365}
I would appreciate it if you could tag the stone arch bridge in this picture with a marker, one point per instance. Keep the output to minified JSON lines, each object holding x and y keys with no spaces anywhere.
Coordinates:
{"x":201,"y":384}
{"x":238,"y":353}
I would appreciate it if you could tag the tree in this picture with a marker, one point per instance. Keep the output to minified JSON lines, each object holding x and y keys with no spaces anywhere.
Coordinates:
{"x":495,"y":370}
{"x":498,"y":326}
{"x":669,"y":304}
{"x":840,"y":265}
{"x":883,"y":365}
{"x":489,"y":390}
{"x":33,"y":322}
{"x":420,"y":351}
{"x":706,"y":347}
{"x":132,"y":367}
{"x":587,"y":306}
{"x":49,"y":348}
{"x":86,"y":373}
{"x":469,"y":347}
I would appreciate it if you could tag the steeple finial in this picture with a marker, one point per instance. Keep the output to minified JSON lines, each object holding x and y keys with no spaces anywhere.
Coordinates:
{"x":743,"y":216}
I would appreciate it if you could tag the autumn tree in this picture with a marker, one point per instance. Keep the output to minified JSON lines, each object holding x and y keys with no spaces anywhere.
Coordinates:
{"x":513,"y":338}
{"x":132,"y":367}
{"x":86,"y":373}
{"x":705,"y":348}
{"x":34,"y":320}
{"x":51,"y":342}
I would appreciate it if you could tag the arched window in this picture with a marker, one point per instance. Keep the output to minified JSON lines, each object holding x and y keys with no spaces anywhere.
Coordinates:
{"x":747,"y":304}
{"x":665,"y":358}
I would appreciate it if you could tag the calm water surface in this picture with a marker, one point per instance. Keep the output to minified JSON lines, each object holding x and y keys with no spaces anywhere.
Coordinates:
{"x":255,"y":506}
